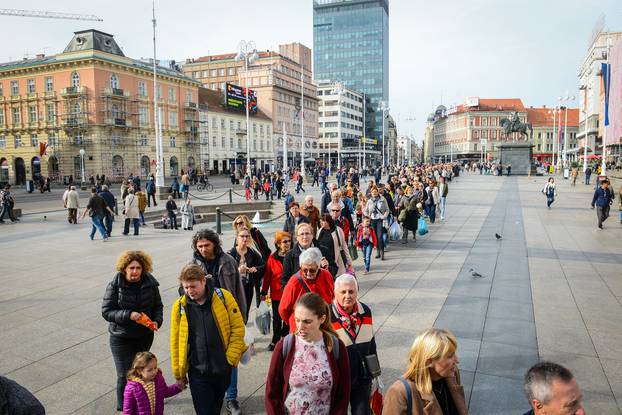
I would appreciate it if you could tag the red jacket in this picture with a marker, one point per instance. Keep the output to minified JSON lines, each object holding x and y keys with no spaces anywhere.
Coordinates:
{"x":359,"y":237}
{"x":277,"y":383}
{"x":322,"y":285}
{"x":345,"y":227}
{"x":272,"y":278}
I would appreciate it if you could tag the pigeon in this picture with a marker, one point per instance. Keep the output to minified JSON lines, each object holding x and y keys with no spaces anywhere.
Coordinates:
{"x":477,"y":274}
{"x":497,"y":236}
{"x":45,"y":217}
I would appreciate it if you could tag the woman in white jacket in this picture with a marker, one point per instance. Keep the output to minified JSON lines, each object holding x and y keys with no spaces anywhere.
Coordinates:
{"x":187,"y":215}
{"x":131,"y":213}
{"x":432,"y":199}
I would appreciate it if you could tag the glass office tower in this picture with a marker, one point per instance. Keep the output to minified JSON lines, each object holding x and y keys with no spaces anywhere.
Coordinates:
{"x":351,"y":45}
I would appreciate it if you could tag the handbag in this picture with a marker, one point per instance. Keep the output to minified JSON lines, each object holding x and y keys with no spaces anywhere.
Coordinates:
{"x":354,"y":254}
{"x":372,"y":365}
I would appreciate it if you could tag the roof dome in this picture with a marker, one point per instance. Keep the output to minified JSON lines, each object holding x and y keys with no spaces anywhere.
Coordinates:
{"x":440,"y":110}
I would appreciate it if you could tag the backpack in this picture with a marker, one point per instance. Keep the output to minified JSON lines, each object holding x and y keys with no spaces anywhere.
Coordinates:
{"x":288,"y":342}
{"x":218,"y":293}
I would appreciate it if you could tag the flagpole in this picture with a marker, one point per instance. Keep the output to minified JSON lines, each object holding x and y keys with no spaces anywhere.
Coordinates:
{"x":603,"y":163}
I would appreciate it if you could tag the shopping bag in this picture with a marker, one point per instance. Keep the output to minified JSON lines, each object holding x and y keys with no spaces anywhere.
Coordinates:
{"x":376,"y":397}
{"x":395,"y":231}
{"x":249,"y":340}
{"x":263,"y":319}
{"x":422,"y":227}
{"x":353,"y":252}
{"x":146,"y":321}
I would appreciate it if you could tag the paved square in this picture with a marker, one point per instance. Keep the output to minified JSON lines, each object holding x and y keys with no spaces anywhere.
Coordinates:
{"x":551,"y":289}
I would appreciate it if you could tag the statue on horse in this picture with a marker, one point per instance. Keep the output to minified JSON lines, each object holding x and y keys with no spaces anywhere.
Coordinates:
{"x":514,"y":125}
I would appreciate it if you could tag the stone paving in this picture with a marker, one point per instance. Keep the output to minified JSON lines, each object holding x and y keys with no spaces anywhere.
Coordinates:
{"x":550,"y":289}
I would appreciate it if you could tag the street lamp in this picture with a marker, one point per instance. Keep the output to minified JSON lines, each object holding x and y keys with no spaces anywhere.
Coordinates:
{"x":410,"y":120}
{"x":82,"y":152}
{"x":339,"y":89}
{"x":566,"y":98}
{"x":384,"y":107}
{"x":248,"y":52}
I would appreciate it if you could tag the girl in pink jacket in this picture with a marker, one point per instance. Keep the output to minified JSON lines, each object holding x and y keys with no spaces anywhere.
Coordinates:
{"x":146,"y":388}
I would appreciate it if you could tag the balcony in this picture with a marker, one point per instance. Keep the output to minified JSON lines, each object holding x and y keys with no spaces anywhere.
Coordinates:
{"x":74,"y":122}
{"x":192,"y":143}
{"x":191,"y":129}
{"x":191,"y":106}
{"x":118,"y":122}
{"x":15,"y":98}
{"x":116,"y":93}
{"x":49,"y":95}
{"x":72,"y":91}
{"x":240,"y":131}
{"x":32,"y":96}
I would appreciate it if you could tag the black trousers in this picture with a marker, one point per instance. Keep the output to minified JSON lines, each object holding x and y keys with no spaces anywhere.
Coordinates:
{"x":359,"y":399}
{"x":149,"y":196}
{"x":123,"y":352}
{"x":207,"y":392}
{"x":173,"y":217}
{"x":279,"y":327}
{"x":376,"y":224}
{"x":251,"y":287}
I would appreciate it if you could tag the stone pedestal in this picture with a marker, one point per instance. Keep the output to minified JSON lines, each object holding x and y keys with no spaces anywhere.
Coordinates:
{"x":162,"y":192}
{"x":518,"y":155}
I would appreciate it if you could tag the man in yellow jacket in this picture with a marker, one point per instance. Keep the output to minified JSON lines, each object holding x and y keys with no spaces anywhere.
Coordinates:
{"x":207,"y":339}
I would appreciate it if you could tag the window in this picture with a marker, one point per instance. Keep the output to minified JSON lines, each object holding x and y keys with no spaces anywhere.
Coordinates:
{"x":77,"y":138}
{"x":34,"y":140}
{"x":116,"y":139}
{"x":115,"y":112}
{"x":172,"y":141}
{"x":17,"y":141}
{"x":222,"y":142}
{"x":143,"y":116}
{"x":221,"y":72}
{"x":222,"y":124}
{"x":17,"y":116}
{"x":254,"y":145}
{"x":1,"y":90}
{"x":142,"y":88}
{"x":114,"y":81}
{"x":172,"y":119}
{"x":205,"y":74}
{"x":159,"y":91}
{"x":75,"y":79}
{"x":32,"y":114}
{"x":188,"y":96}
{"x":239,"y":143}
{"x":230,"y":142}
{"x":261,"y":145}
{"x":1,"y":116}
{"x":52,"y":140}
{"x":171,"y":94}
{"x":49,"y":84}
{"x":231,"y":71}
{"x":14,"y":88}
{"x":142,"y":140}
{"x":214,"y":72}
{"x":230,"y":125}
{"x":30,"y":84}
{"x":77,"y":109}
{"x":2,"y":141}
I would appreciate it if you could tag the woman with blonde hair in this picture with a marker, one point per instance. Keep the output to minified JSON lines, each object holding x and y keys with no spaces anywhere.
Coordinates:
{"x":260,"y":243}
{"x":431,"y":384}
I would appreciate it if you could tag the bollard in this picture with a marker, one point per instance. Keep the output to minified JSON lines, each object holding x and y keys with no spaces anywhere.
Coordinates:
{"x":218,"y":221}
{"x":230,"y":195}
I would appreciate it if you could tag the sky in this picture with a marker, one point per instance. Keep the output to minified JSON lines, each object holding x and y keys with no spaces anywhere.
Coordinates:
{"x":440,"y":51}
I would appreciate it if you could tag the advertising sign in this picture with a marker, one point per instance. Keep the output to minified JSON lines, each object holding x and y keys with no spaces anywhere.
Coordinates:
{"x":472,"y":102}
{"x":235,"y":98}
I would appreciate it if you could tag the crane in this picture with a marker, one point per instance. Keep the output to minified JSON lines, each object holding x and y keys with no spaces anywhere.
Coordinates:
{"x":49,"y":15}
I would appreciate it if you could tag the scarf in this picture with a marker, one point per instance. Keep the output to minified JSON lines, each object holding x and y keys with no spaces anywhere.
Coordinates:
{"x":350,"y":322}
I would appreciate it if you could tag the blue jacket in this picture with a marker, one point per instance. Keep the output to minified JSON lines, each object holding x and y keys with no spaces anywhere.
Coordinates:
{"x":108,"y":198}
{"x":602,"y":197}
{"x":150,"y":187}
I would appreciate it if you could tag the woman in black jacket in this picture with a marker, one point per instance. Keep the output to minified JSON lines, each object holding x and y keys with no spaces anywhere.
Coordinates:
{"x":250,"y":265}
{"x":132,"y":292}
{"x":326,"y":243}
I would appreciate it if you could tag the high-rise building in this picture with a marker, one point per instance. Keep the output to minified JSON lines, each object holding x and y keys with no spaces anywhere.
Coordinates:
{"x":351,"y":45}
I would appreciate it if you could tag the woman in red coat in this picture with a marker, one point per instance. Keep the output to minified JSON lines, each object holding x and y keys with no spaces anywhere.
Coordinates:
{"x":272,"y":282}
{"x":310,"y":278}
{"x":309,"y":369}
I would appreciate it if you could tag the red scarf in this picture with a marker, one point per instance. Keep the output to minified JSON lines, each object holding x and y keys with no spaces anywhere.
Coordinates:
{"x":349,"y":322}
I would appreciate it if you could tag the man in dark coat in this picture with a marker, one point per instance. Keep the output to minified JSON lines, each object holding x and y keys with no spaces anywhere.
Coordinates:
{"x":17,"y":400}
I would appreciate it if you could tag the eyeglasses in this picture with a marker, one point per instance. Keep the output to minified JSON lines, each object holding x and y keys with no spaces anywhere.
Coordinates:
{"x":309,"y":271}
{"x":238,"y":223}
{"x":335,"y":210}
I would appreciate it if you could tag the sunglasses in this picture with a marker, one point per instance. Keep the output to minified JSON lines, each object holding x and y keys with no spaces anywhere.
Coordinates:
{"x":309,"y":271}
{"x":335,"y":210}
{"x":238,"y":223}
{"x":286,"y":241}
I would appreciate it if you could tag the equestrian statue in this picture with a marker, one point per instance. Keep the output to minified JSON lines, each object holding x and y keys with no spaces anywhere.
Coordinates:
{"x":514,"y":125}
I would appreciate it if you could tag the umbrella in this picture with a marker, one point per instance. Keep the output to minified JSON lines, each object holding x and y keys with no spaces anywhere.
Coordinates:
{"x":593,"y":156}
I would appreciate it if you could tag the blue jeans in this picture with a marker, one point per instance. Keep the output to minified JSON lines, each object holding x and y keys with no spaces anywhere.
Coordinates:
{"x":207,"y":393}
{"x":367,"y":250}
{"x":232,"y":390}
{"x":142,"y":218}
{"x":108,"y":219}
{"x":98,"y":226}
{"x":126,"y":226}
{"x":442,"y":206}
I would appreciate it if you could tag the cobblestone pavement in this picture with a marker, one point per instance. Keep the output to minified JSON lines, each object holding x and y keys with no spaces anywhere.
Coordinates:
{"x":551,"y":289}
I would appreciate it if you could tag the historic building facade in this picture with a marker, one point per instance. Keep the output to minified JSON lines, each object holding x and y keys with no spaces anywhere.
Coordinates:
{"x":91,"y":108}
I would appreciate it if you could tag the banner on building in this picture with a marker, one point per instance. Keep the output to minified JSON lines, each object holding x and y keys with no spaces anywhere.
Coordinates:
{"x":613,"y":120}
{"x":42,"y":149}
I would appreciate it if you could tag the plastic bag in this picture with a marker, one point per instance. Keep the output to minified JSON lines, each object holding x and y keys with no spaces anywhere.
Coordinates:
{"x":422,"y":226}
{"x":377,"y":396}
{"x":263,"y":319}
{"x":395,"y":231}
{"x":249,"y":340}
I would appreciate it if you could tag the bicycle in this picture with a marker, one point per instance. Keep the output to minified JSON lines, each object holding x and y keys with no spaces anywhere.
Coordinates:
{"x":207,"y":186}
